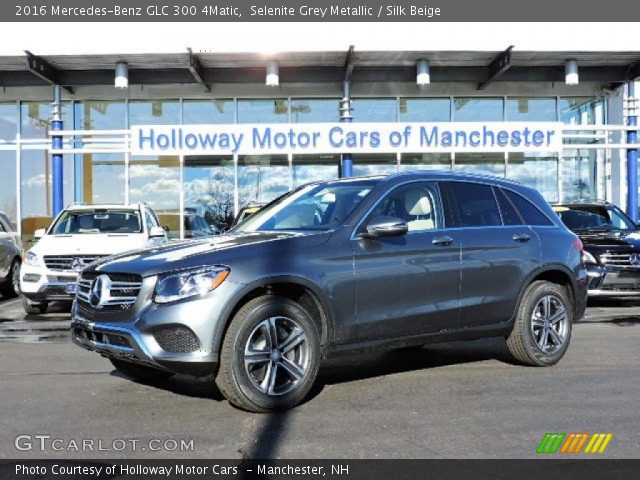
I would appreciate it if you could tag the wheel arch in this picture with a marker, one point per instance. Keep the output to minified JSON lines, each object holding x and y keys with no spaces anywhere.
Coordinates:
{"x":298,"y":289}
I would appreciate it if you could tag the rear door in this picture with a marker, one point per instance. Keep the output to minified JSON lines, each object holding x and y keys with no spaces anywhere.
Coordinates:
{"x":498,"y":251}
{"x":407,"y":285}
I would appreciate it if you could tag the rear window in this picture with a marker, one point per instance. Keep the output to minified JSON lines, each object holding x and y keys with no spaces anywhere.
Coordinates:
{"x":529,"y":212}
{"x":470,"y":205}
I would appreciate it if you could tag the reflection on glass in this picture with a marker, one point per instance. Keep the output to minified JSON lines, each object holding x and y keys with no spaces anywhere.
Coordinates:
{"x":35,"y":186}
{"x":208,"y":190}
{"x":474,"y":109}
{"x":36,"y":118}
{"x":100,"y":115}
{"x":155,"y":180}
{"x":374,"y":109}
{"x":8,"y":192}
{"x":425,"y":161}
{"x":154,"y":112}
{"x":536,"y":170}
{"x":103,"y":178}
{"x":261,"y":178}
{"x":582,"y":110}
{"x":531,"y":109}
{"x":314,"y":168}
{"x":309,"y":110}
{"x":263,"y":111}
{"x":8,"y":121}
{"x":425,"y":109}
{"x":483,"y":163}
{"x":582,"y":175}
{"x":208,"y":111}
{"x":374,"y":164}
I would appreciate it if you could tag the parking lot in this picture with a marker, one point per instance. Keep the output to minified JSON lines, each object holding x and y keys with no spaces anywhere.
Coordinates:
{"x":452,"y":400}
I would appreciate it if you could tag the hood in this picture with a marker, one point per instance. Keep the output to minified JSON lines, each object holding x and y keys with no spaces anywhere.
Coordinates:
{"x":611,"y":240}
{"x":89,"y":244}
{"x":184,"y":254}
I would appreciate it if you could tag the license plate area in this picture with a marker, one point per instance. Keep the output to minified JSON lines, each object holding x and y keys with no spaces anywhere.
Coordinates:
{"x":71,"y":288}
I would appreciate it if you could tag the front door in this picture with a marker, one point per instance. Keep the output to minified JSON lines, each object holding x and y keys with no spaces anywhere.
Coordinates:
{"x":409,"y":284}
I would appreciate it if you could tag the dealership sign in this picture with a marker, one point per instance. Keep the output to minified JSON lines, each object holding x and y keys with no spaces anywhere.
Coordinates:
{"x":314,"y":138}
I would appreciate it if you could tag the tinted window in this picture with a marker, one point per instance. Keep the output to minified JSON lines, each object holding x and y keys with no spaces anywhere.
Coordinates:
{"x":529,"y":212}
{"x":594,"y":217}
{"x":416,"y":204}
{"x":509,"y":214}
{"x":471,"y":205}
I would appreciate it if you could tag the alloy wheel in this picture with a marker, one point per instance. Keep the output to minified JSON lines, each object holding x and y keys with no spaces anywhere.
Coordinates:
{"x":276,"y":355}
{"x":549,"y":324}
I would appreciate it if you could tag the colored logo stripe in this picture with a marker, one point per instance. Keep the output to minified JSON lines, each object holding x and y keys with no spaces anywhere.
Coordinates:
{"x":598,"y":443}
{"x":550,"y":442}
{"x":555,"y":442}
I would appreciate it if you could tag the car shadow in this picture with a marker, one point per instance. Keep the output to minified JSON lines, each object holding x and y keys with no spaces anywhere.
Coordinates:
{"x":185,"y":385}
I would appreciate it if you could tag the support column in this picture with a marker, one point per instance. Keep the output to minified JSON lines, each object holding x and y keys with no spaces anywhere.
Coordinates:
{"x":346,"y":163}
{"x":632,"y":153}
{"x":57,"y":161}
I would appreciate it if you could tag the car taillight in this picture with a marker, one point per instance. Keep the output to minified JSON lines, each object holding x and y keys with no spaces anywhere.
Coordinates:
{"x":577,"y":244}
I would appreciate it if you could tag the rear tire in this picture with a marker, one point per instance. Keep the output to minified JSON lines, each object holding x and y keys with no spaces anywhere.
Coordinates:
{"x":139,"y":372}
{"x":34,"y":308}
{"x":542,"y":328}
{"x":270,"y":355}
{"x":11,"y":288}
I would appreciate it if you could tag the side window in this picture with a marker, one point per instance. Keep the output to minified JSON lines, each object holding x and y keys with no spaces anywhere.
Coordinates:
{"x":470,"y":205}
{"x":509,"y":214}
{"x":416,"y":203}
{"x":151,"y":221}
{"x":529,"y":212}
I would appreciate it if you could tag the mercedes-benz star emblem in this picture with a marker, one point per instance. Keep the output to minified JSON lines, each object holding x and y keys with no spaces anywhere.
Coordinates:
{"x":634,"y":259}
{"x":77,"y":264}
{"x":100,"y":292}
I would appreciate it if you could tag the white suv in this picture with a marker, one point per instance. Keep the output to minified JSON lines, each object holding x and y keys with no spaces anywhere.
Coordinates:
{"x":80,"y":235}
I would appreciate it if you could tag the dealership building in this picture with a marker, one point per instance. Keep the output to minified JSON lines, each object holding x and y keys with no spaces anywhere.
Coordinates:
{"x":166,"y":129}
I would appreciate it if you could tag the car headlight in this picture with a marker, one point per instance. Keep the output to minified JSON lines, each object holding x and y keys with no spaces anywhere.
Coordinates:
{"x":31,"y":259}
{"x":588,"y":258}
{"x":176,"y":286}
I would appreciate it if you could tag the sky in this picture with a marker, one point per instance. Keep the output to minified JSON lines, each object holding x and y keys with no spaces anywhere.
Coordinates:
{"x":104,"y":38}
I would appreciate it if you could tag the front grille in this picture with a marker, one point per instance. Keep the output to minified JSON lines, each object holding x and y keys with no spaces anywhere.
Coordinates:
{"x":63,"y":262}
{"x":114,"y":339}
{"x":620,"y":260}
{"x":57,"y":292}
{"x":121,"y":294}
{"x":176,"y":339}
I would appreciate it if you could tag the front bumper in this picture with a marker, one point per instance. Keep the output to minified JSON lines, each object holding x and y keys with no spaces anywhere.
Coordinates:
{"x":41,"y":284}
{"x":613,"y":281}
{"x":133,"y":334}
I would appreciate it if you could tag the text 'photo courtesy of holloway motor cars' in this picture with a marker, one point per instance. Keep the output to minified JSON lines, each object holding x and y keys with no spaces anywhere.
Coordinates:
{"x":335,"y":268}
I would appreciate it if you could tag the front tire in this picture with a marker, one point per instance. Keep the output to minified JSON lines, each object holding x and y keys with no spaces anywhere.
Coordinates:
{"x":139,"y":372}
{"x":270,"y":355}
{"x":34,"y":308}
{"x":542,"y":328}
{"x":11,"y":288}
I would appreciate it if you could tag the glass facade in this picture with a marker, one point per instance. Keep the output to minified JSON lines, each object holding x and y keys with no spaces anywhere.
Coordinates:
{"x":211,"y":189}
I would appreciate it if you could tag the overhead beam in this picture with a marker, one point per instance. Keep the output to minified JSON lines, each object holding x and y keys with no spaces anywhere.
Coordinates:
{"x":500,"y":64}
{"x":633,"y":71}
{"x":43,"y":70}
{"x":196,"y":70}
{"x":348,"y":64}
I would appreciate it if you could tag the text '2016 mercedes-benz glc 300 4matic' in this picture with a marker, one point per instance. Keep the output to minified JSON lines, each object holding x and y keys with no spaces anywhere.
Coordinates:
{"x":340,"y":267}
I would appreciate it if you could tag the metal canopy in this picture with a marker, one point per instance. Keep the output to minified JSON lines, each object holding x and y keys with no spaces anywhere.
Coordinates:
{"x":204,"y":68}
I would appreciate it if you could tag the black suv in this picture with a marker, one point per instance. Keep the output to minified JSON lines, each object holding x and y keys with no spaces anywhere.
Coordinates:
{"x":612,"y":247}
{"x":340,"y":267}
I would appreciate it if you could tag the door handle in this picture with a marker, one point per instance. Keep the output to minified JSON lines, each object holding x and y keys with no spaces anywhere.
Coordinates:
{"x":521,"y":237}
{"x":443,"y":241}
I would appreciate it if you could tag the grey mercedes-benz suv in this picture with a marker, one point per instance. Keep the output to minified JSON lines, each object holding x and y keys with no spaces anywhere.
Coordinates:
{"x":340,"y":267}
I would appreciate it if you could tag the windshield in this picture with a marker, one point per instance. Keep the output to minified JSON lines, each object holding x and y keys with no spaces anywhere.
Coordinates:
{"x":97,"y":221}
{"x":593,"y":218}
{"x":317,"y":207}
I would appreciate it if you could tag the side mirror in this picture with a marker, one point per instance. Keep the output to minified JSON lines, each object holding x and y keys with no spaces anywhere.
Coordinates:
{"x":39,"y":233}
{"x":384,"y":226}
{"x":156,"y":232}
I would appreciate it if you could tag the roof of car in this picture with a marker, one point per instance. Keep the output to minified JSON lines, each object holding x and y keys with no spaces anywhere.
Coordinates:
{"x":105,"y":206}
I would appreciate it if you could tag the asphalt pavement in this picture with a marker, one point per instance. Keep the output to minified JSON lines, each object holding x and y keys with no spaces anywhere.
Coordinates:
{"x":458,"y":400}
